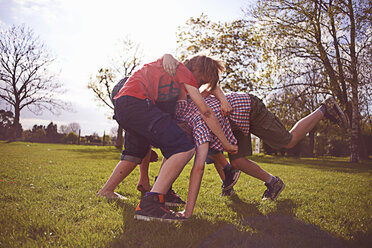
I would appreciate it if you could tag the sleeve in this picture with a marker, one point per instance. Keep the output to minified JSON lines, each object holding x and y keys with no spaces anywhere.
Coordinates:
{"x":180,"y":113}
{"x":183,"y":75}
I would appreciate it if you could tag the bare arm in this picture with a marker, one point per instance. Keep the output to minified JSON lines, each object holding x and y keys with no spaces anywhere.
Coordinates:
{"x":225,"y":105}
{"x":210,"y":118}
{"x":196,"y":176}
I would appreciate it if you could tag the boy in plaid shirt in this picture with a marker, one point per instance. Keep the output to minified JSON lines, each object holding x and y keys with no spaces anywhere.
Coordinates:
{"x":249,"y":115}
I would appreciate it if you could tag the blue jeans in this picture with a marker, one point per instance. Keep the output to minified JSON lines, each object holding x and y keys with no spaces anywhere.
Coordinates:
{"x":145,"y":124}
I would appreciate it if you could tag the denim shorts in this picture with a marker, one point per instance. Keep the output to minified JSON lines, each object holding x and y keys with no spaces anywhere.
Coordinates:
{"x":145,"y":124}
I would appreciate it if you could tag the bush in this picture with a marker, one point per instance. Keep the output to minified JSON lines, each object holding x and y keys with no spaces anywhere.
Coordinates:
{"x":71,"y":138}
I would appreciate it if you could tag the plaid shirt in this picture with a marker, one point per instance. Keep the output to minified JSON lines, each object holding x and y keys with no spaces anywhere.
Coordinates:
{"x":186,"y":111}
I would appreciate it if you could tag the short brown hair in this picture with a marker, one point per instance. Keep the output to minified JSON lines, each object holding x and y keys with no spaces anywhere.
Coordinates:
{"x":210,"y":67}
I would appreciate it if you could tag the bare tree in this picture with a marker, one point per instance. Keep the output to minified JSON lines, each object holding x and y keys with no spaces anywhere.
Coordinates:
{"x":129,"y":59}
{"x":25,"y":78}
{"x":64,"y":129}
{"x":74,"y":127}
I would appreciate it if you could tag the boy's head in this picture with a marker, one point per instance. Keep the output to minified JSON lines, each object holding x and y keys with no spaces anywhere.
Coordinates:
{"x":206,"y":70}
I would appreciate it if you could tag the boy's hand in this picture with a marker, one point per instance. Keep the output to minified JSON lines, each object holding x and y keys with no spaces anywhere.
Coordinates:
{"x":233,"y":149}
{"x":226,"y":108}
{"x":170,"y":64}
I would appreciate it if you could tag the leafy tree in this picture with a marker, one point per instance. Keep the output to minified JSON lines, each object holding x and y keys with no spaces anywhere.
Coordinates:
{"x":6,"y":120}
{"x":25,"y":76}
{"x":235,"y":44}
{"x":128,"y":61}
{"x":71,"y":138}
{"x":330,"y":35}
{"x":52,"y":134}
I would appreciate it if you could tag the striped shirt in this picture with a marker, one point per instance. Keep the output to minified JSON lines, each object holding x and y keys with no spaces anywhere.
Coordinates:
{"x":238,"y":119}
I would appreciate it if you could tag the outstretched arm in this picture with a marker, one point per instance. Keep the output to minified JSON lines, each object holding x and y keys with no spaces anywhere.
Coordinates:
{"x":210,"y":118}
{"x":196,"y":176}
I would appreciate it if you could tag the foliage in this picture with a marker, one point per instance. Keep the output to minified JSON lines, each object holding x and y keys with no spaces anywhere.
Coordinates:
{"x":71,"y":138}
{"x":6,"y":124}
{"x":247,"y":67}
{"x":106,"y":139}
{"x":47,"y":197}
{"x":26,"y":79}
{"x":330,"y":38}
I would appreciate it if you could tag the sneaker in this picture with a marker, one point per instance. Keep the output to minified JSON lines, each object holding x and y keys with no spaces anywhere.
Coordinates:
{"x":152,"y":207}
{"x":172,"y":199}
{"x":231,"y":178}
{"x":228,"y":192}
{"x":273,"y":189}
{"x":334,"y":113}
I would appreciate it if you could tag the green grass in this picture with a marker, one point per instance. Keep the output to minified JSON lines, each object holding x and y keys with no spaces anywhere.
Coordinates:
{"x":48,"y":199}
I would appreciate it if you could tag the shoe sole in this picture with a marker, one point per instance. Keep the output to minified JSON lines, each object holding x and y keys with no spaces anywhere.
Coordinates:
{"x":235,"y":180}
{"x":172,"y":204}
{"x":149,"y":218}
{"x":342,"y":115}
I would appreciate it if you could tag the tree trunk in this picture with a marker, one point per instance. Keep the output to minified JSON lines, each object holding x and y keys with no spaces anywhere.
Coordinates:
{"x":311,"y":142}
{"x":120,"y":138}
{"x":354,"y":156}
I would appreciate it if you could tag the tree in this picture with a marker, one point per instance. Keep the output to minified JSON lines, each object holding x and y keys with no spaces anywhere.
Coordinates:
{"x":65,"y":129}
{"x":6,"y":120}
{"x":74,"y":127}
{"x":235,"y":44}
{"x":332,"y":35}
{"x":25,"y":76}
{"x":128,"y":61}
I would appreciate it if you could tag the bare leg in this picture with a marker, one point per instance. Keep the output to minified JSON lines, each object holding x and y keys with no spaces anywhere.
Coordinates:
{"x":170,"y":171}
{"x":196,"y":176}
{"x":303,"y":126}
{"x":144,"y":181}
{"x":219,"y":162}
{"x":121,"y":171}
{"x":251,"y":168}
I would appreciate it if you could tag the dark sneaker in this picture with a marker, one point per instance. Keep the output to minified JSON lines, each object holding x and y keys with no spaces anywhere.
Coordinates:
{"x":334,"y":113}
{"x":152,"y":207}
{"x":273,"y":189}
{"x":228,"y":192}
{"x":231,"y":178}
{"x":172,"y":199}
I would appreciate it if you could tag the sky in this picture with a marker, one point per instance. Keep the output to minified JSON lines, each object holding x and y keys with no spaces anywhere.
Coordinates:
{"x":83,"y":36}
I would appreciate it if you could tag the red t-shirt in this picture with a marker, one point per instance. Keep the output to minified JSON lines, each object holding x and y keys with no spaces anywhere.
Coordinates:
{"x":152,"y":82}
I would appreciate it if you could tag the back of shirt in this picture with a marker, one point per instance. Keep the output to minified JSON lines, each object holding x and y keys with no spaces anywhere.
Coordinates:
{"x":154,"y":83}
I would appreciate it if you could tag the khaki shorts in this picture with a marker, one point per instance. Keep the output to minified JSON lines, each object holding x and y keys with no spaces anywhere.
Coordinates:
{"x":265,"y":125}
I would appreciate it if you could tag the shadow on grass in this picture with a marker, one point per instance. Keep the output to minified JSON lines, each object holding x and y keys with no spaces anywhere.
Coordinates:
{"x":331,"y":164}
{"x":278,"y":229}
{"x":157,"y":234}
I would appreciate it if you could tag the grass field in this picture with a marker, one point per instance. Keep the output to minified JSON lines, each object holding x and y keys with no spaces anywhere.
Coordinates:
{"x":48,"y":199}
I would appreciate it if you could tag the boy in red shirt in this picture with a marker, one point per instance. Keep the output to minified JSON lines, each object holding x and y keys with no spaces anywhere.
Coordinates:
{"x":146,"y":124}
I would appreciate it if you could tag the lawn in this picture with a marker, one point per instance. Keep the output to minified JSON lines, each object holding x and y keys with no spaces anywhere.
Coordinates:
{"x":48,"y":199}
